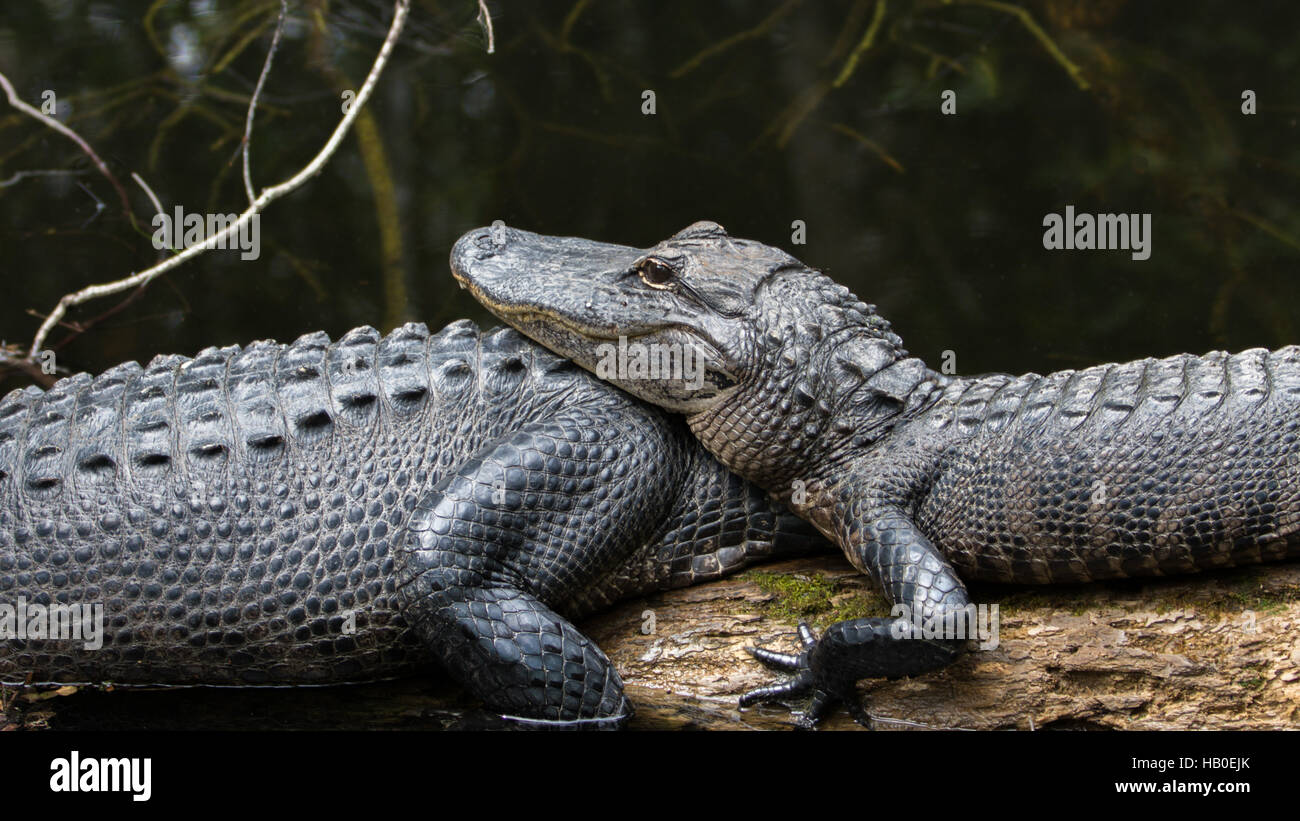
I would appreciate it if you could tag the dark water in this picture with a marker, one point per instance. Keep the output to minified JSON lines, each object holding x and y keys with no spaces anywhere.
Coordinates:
{"x":938,"y":219}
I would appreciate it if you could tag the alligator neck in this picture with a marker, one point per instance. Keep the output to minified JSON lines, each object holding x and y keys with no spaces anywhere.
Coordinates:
{"x":830,"y":382}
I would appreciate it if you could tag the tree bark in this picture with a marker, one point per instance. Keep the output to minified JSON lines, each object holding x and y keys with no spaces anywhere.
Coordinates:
{"x":1214,"y":651}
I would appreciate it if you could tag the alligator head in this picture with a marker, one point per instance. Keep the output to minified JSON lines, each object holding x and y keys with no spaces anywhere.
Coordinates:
{"x":774,"y":358}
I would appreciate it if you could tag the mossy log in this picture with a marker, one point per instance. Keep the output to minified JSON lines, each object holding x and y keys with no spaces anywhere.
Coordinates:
{"x":1215,"y":651}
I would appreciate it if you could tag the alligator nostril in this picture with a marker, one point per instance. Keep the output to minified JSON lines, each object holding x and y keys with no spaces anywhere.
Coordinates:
{"x":492,"y":239}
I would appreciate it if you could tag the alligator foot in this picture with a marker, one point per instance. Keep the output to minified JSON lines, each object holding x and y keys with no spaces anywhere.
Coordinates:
{"x":825,"y":693}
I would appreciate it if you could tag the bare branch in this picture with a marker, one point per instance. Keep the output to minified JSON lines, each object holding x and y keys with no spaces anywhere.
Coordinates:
{"x":268,"y":195}
{"x":1027,"y":20}
{"x":485,"y":20}
{"x":19,"y":176}
{"x":99,"y":204}
{"x":257,"y":92}
{"x":868,"y":38}
{"x":157,"y":206}
{"x":17,"y":102}
{"x":720,"y":46}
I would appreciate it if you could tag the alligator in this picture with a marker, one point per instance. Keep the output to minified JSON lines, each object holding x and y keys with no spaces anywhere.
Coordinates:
{"x":1145,"y":468}
{"x":328,"y":512}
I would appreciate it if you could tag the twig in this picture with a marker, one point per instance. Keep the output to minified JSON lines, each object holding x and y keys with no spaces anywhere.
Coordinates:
{"x":78,"y":328}
{"x":1267,"y":227}
{"x":789,"y":120}
{"x":868,"y":38}
{"x":33,"y":371}
{"x":842,"y":41}
{"x":19,"y":176}
{"x":937,"y":59}
{"x":99,"y":204}
{"x":157,"y":206}
{"x":722,"y":45}
{"x":17,"y":102}
{"x":1027,"y":20}
{"x":485,"y":20}
{"x":242,"y":43}
{"x":257,"y":92}
{"x":571,"y":18}
{"x":875,"y":147}
{"x":149,"y":29}
{"x":268,"y":195}
{"x":593,"y":61}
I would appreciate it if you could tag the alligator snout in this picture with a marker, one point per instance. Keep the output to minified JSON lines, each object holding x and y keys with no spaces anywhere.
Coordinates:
{"x":477,"y":246}
{"x":503,"y":265}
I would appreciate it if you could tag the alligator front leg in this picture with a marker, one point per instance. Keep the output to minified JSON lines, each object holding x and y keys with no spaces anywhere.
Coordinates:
{"x":520,"y":528}
{"x":524,"y":661}
{"x":887,"y":546}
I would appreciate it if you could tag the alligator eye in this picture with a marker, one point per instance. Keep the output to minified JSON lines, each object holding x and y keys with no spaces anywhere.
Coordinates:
{"x":656,"y":274}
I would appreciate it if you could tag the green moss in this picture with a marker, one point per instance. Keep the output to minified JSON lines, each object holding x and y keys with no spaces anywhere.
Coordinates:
{"x":810,"y":598}
{"x":1246,"y":592}
{"x":1248,"y":595}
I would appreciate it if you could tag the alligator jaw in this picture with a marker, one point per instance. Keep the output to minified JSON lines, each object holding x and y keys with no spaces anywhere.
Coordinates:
{"x":502,"y":267}
{"x":482,"y":261}
{"x":522,"y":317}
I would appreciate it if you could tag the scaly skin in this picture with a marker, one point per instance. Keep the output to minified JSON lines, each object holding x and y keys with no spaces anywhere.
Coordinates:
{"x":1137,"y":469}
{"x":325,"y":512}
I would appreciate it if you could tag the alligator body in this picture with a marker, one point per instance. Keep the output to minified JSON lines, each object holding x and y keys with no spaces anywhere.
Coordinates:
{"x":1158,"y":466}
{"x":325,"y":512}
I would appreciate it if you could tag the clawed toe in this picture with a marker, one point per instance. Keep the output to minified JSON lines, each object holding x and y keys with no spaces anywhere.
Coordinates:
{"x":796,"y":663}
{"x":781,"y":661}
{"x":804,"y":682}
{"x":794,"y":687}
{"x":789,"y":662}
{"x":806,"y":636}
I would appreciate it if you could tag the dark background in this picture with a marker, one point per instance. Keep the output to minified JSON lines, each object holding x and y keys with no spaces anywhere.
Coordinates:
{"x":936,"y":219}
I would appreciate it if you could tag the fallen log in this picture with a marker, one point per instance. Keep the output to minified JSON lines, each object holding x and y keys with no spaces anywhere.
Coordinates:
{"x":1214,"y":651}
